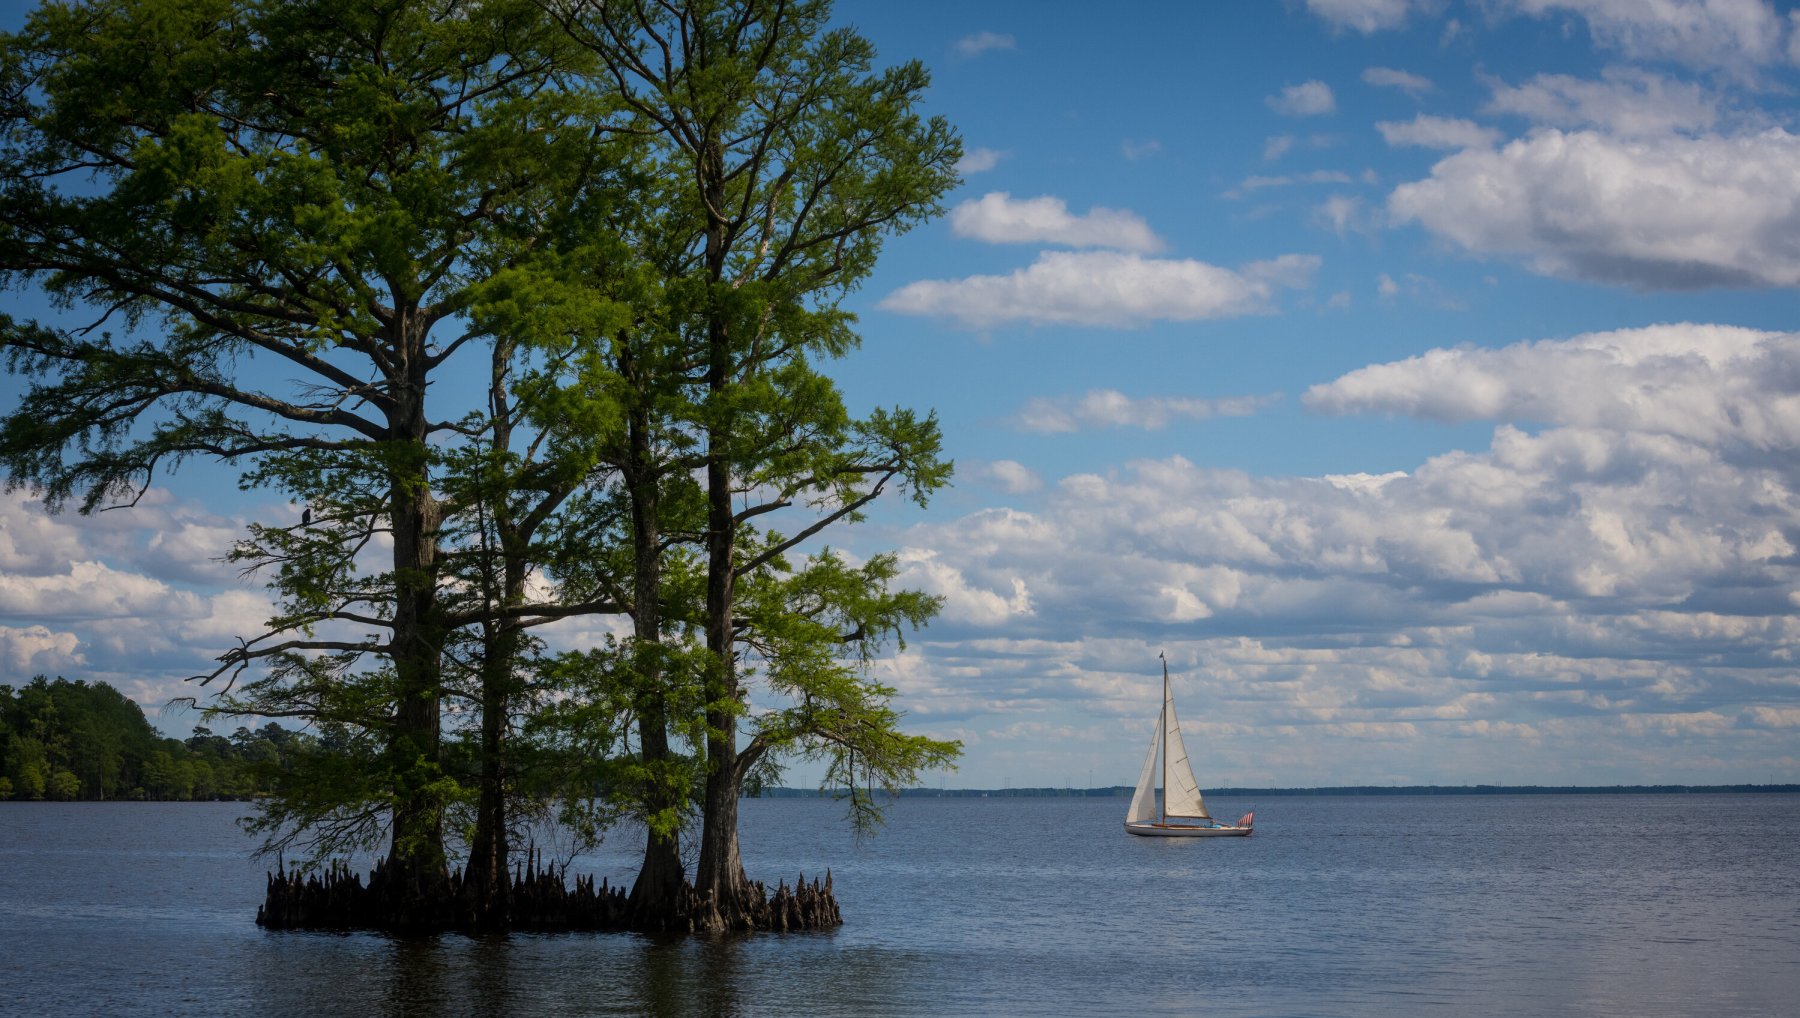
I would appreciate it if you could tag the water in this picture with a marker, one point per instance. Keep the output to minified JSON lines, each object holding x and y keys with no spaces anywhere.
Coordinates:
{"x":1487,"y":905}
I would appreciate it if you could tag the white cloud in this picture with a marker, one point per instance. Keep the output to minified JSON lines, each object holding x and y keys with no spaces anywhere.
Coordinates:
{"x":1425,"y":131}
{"x":230,"y":615}
{"x":1109,"y":408}
{"x":1009,"y":476}
{"x":31,"y":540}
{"x":982,"y":42}
{"x":165,"y":539}
{"x":1366,"y":484}
{"x":1724,"y":34}
{"x":1644,"y":525}
{"x":1625,"y":102}
{"x":92,"y":590}
{"x":1721,"y":386}
{"x":1307,"y":99}
{"x":1668,"y":213}
{"x":979,"y":160}
{"x":924,"y":570}
{"x":35,"y":650}
{"x":998,"y":218}
{"x":1388,"y":77}
{"x":1622,"y":571}
{"x":1101,"y":288}
{"x":1773,"y":717}
{"x":1277,"y":146}
{"x":1365,"y":16}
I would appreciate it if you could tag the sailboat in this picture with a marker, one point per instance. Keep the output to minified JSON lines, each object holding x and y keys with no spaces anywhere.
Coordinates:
{"x":1183,"y":813}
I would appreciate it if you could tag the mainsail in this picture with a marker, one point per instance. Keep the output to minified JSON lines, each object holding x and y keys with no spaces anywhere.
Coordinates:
{"x":1181,"y":793}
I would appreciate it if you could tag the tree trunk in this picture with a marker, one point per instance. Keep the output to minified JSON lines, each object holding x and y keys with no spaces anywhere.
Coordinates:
{"x":720,"y":875}
{"x":487,"y":884}
{"x":656,"y":895}
{"x":720,"y":878}
{"x":416,"y":856}
{"x":487,"y":889}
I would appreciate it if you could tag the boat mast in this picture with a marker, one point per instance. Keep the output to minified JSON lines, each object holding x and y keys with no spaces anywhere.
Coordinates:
{"x":1162,"y":738}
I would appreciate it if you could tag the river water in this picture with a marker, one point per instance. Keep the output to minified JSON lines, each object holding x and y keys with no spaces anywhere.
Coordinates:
{"x":1630,"y":905}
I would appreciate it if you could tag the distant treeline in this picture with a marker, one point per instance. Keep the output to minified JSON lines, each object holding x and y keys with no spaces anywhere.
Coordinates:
{"x":76,"y":740}
{"x":1124,"y":791}
{"x":1504,"y":790}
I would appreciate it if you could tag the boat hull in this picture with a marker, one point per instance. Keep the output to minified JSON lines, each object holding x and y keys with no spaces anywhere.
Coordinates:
{"x":1185,"y":831}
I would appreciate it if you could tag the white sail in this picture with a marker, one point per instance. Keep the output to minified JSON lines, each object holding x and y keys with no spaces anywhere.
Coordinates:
{"x":1143,"y":801}
{"x":1181,"y":793}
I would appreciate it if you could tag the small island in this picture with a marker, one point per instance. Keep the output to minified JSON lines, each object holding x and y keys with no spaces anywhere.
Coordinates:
{"x":508,"y":327}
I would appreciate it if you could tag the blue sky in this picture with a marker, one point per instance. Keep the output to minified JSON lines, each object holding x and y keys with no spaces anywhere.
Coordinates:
{"x":1416,"y":376}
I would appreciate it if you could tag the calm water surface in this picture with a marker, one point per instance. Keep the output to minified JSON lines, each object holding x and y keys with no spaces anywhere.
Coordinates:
{"x":1501,"y":905}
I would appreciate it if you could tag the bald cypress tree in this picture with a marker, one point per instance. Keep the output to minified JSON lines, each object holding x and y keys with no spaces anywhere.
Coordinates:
{"x":270,"y":223}
{"x":790,"y":159}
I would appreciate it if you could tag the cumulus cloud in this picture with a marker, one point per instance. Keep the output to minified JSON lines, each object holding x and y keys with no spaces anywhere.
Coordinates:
{"x":982,"y":42}
{"x":1365,"y":16}
{"x":32,"y":541}
{"x":1723,"y":34}
{"x":1663,"y":213}
{"x":1109,"y":408}
{"x":1625,"y":569}
{"x":1425,"y":131}
{"x":229,"y":615}
{"x":1625,"y":102}
{"x":1102,"y":288}
{"x":1721,"y":386}
{"x":1773,"y":717}
{"x":1307,"y":99}
{"x":160,"y":537}
{"x":1388,"y":77}
{"x":92,"y":590}
{"x":137,"y":598}
{"x":35,"y":650}
{"x":979,"y":160}
{"x":999,"y":218}
{"x":969,"y":603}
{"x":1570,"y":515}
{"x":1009,"y":476}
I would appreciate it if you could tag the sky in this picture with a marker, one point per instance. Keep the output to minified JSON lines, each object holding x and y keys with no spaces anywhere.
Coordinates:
{"x":1417,"y":377}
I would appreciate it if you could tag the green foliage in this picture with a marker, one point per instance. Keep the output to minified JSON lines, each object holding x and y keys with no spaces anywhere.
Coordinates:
{"x":788,"y":161}
{"x":814,"y":630}
{"x":62,"y":739}
{"x":297,"y":214}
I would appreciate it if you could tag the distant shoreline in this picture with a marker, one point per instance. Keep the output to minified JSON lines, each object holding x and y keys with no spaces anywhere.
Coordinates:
{"x":1124,"y":791}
